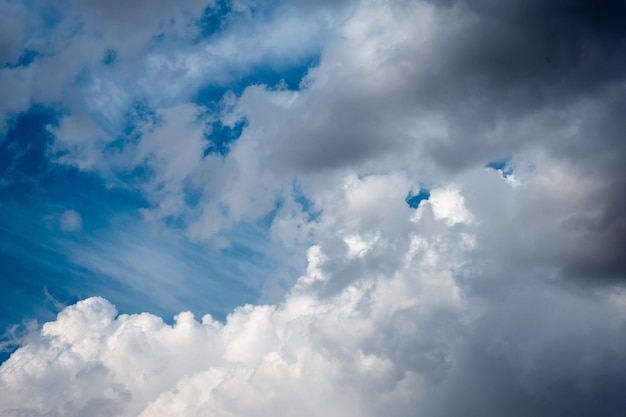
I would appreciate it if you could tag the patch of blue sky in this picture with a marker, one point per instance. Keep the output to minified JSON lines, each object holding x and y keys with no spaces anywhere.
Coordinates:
{"x":210,"y":95}
{"x":128,"y":263}
{"x":218,"y":16}
{"x":110,"y":57}
{"x":414,"y":200}
{"x":31,"y":257}
{"x":114,"y":253}
{"x":27,"y":177}
{"x":247,"y":243}
{"x":277,"y":68}
{"x":34,"y":194}
{"x":222,"y":136}
{"x":502,"y":165}
{"x":23,"y":152}
{"x":193,"y":195}
{"x":214,"y":18}
{"x":251,"y":256}
{"x":288,"y":76}
{"x":27,"y":57}
{"x":306,"y":205}
{"x":169,"y":274}
{"x":166,"y":274}
{"x":139,"y":115}
{"x":136,"y":119}
{"x":33,"y":269}
{"x":27,"y":266}
{"x":267,"y":220}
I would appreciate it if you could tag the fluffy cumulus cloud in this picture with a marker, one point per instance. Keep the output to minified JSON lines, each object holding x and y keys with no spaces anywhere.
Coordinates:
{"x":386,"y":319}
{"x":501,"y":292}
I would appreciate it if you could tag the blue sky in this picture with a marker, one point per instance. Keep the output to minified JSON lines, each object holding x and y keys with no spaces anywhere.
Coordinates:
{"x":304,"y":207}
{"x":41,"y":265}
{"x":48,"y":264}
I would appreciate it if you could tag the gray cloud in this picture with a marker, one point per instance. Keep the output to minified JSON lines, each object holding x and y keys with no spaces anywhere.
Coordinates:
{"x":448,"y":89}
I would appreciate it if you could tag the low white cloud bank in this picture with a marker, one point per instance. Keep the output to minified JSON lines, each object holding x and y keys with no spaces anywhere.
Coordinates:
{"x":386,"y":320}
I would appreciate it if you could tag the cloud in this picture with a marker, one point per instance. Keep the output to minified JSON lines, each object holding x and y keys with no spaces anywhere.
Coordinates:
{"x":11,"y":33}
{"x":70,"y":221}
{"x":484,"y":299}
{"x":392,"y":330}
{"x":460,"y":88}
{"x":449,"y":204}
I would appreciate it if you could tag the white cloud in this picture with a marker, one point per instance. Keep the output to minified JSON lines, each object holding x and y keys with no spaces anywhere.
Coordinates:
{"x":70,"y":221}
{"x":449,"y":205}
{"x":313,"y":353}
{"x":352,"y":338}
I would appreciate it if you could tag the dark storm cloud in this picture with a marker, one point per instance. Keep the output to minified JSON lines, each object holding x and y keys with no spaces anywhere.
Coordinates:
{"x":599,"y":250}
{"x":502,"y":78}
{"x":485,"y":64}
{"x":541,"y":350}
{"x":512,"y":59}
{"x":558,"y":47}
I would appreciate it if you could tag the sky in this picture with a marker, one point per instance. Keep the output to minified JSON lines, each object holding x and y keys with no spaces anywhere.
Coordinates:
{"x":312,"y":208}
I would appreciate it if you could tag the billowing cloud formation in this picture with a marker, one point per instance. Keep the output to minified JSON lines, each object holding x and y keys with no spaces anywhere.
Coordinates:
{"x":388,"y":328}
{"x":500,"y":294}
